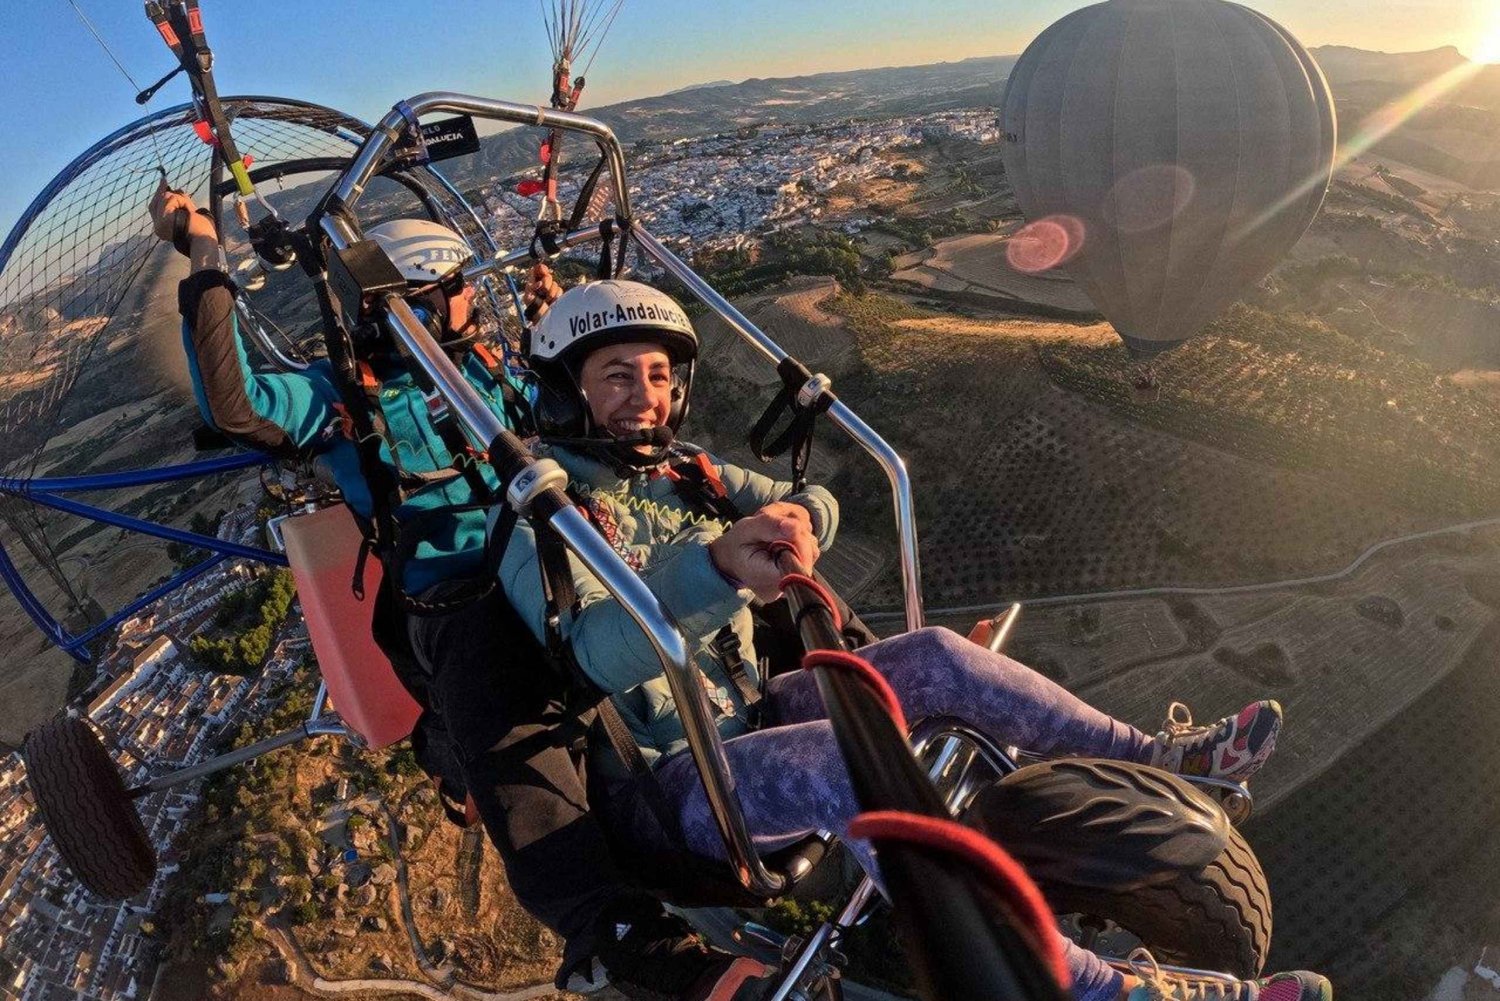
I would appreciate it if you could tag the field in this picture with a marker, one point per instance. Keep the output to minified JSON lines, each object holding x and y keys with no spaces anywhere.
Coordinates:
{"x":976,"y":265}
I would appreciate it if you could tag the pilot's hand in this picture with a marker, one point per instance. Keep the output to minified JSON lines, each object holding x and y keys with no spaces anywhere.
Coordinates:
{"x":164,"y":206}
{"x":744,"y":552}
{"x":541,"y":291}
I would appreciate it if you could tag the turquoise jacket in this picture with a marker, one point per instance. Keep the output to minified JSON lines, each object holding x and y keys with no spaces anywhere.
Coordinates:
{"x":654,"y":531}
{"x":296,"y":411}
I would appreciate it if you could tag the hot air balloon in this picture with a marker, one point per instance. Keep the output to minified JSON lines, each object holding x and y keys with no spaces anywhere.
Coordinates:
{"x":1167,"y":153}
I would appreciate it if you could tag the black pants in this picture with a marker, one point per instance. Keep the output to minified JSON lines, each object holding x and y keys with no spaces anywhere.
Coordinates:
{"x":514,"y":740}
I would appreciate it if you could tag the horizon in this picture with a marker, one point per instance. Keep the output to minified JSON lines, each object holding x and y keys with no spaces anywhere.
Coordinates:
{"x":767,"y":43}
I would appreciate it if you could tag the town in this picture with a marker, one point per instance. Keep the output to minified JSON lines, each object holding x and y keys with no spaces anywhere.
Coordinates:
{"x":723,"y":191}
{"x":58,"y":940}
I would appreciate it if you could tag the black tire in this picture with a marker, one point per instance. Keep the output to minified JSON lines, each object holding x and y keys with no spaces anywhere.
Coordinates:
{"x":1218,"y":918}
{"x":81,"y":798}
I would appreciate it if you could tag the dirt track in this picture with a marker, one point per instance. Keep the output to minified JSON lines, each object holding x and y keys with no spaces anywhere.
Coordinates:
{"x":977,"y":263}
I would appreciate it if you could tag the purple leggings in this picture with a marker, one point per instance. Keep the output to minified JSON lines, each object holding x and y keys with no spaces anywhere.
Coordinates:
{"x":791,"y":778}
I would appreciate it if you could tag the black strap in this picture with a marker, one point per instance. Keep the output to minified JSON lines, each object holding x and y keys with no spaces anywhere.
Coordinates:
{"x":623,"y":741}
{"x":798,"y":434}
{"x":368,"y":423}
{"x":557,"y":586}
{"x":728,"y":652}
{"x":417,"y":529}
{"x":605,"y":267}
{"x":585,"y":195}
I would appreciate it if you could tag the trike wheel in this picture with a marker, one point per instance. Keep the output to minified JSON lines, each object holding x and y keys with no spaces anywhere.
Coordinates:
{"x":1216,"y":918}
{"x":84,"y":806}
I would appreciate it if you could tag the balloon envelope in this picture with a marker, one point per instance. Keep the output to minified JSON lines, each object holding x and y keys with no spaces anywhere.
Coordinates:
{"x":1187,"y":143}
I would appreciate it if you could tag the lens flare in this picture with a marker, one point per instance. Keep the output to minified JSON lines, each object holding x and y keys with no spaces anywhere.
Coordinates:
{"x":1487,"y":44}
{"x":1149,"y":197}
{"x":1044,"y":244}
{"x":1374,"y":128}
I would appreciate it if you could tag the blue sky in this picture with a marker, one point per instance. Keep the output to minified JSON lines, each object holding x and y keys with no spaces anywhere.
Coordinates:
{"x":62,"y":92}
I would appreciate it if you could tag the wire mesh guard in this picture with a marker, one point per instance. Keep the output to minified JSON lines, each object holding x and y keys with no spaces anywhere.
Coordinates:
{"x":92,"y":373}
{"x":69,"y":265}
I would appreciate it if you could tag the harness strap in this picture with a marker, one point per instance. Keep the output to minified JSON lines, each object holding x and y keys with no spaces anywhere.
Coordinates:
{"x":798,"y":434}
{"x":623,"y":742}
{"x":729,"y":653}
{"x":366,"y":422}
{"x":557,"y":586}
{"x":516,"y":413}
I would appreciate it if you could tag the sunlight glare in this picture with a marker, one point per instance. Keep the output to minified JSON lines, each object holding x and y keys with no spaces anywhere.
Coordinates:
{"x":1487,"y":43}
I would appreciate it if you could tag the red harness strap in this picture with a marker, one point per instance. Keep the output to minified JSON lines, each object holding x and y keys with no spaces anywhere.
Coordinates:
{"x":1003,"y":872}
{"x":861,"y":667}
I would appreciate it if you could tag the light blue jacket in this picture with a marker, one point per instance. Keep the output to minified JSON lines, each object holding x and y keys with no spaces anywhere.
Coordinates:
{"x":654,"y":530}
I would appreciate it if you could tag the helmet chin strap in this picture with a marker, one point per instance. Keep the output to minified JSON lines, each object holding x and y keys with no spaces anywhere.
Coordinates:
{"x":618,"y":450}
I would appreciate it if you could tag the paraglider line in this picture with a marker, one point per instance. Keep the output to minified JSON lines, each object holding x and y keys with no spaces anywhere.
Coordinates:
{"x":155,"y":143}
{"x":102,"y":43}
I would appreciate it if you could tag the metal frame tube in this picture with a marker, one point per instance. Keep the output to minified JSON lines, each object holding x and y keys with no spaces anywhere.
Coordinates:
{"x":390,"y":128}
{"x":133,"y":477}
{"x":485,"y":427}
{"x":889,"y":459}
{"x":237,"y":757}
{"x":153,"y":529}
{"x":506,"y":261}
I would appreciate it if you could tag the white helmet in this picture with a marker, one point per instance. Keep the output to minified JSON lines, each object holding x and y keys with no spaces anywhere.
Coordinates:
{"x":597,"y":313}
{"x":422,"y":250}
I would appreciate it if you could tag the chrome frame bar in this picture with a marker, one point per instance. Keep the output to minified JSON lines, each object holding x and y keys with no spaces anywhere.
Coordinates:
{"x":250,"y":325}
{"x":505,"y":262}
{"x":889,"y":459}
{"x":484,"y":428}
{"x":391,"y":127}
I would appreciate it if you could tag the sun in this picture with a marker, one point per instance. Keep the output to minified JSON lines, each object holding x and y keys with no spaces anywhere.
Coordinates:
{"x":1487,"y":42}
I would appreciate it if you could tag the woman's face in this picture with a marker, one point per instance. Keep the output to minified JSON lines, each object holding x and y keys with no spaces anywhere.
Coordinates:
{"x":629,"y":387}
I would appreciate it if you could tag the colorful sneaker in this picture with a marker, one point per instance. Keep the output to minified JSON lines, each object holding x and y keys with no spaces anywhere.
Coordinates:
{"x":659,"y":957}
{"x":1157,"y":985}
{"x":1234,"y":748}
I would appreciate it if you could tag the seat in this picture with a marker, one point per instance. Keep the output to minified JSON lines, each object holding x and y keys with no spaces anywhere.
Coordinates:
{"x":322,"y":547}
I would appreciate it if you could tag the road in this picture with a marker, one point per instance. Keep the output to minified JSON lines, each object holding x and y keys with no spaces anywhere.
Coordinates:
{"x":306,"y":978}
{"x":1148,"y":592}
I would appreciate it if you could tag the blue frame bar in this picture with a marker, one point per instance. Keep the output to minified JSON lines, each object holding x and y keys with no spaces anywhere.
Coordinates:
{"x":159,"y":531}
{"x":161,"y":591}
{"x":43,"y":491}
{"x":32,"y":607}
{"x":133,"y":477}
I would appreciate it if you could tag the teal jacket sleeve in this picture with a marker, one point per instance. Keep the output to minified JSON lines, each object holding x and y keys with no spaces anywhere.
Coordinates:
{"x":611,"y":649}
{"x":277,"y":413}
{"x":751,"y":491}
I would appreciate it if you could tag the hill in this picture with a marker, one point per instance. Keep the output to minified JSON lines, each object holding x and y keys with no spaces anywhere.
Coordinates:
{"x":1453,"y":129}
